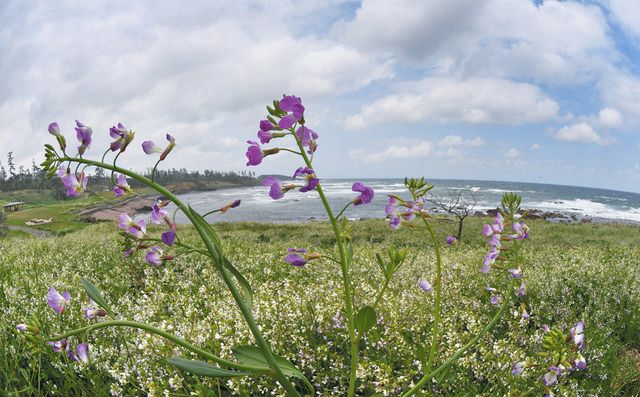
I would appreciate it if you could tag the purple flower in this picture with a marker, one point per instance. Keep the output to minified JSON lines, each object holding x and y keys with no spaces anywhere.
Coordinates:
{"x":495,"y":299}
{"x":59,"y":345}
{"x":295,"y":258}
{"x":545,"y":328}
{"x":577,"y":334}
{"x":158,"y":213}
{"x":266,"y":125}
{"x":92,"y":311}
{"x":521,"y":231}
{"x":309,"y":174}
{"x":494,"y":240}
{"x":233,"y":204}
{"x":136,"y":229}
{"x":58,"y":301}
{"x":517,"y":368}
{"x":54,"y":129}
{"x":122,"y":186}
{"x":275,"y":191}
{"x":425,"y":285}
{"x":515,"y":273}
{"x":489,"y":259}
{"x":154,"y":256}
{"x":21,"y":327}
{"x":580,"y":362}
{"x":365,"y":196}
{"x":293,"y":106}
{"x":81,"y":355}
{"x":522,"y":290}
{"x":169,"y":237}
{"x":451,"y":240}
{"x":551,"y":377}
{"x":122,"y":137}
{"x":265,"y":135}
{"x":75,"y":185}
{"x":254,"y":153}
{"x":307,"y":138}
{"x":83,"y":133}
{"x":150,"y":148}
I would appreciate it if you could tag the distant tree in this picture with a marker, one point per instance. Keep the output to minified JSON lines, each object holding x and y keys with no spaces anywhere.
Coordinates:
{"x":11,"y":164}
{"x":454,"y":204}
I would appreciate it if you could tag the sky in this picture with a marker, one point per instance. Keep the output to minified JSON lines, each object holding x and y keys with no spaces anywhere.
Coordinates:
{"x":516,"y":90}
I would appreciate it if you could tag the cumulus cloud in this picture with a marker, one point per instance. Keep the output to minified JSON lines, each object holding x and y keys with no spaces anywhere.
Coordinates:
{"x":558,"y":43}
{"x":199,"y":71}
{"x":610,"y":118}
{"x":579,"y":132}
{"x":536,"y":146}
{"x":627,"y":14}
{"x":419,"y":149}
{"x":476,"y":101}
{"x":457,"y":140}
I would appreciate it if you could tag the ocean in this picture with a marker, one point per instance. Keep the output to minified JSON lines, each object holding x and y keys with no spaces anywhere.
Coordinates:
{"x":597,"y":205}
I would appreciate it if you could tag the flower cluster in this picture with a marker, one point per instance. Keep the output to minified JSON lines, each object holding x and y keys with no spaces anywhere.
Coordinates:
{"x":58,"y":302}
{"x":561,"y":356}
{"x":398,"y":210}
{"x":495,"y":233}
{"x":286,"y":118}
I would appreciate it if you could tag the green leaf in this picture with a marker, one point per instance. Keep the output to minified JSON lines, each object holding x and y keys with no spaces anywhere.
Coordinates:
{"x":248,"y":291}
{"x":252,"y":355}
{"x":202,"y":223}
{"x":201,"y":368}
{"x":95,"y":295}
{"x":407,"y":336}
{"x":211,"y":234}
{"x":422,"y":355}
{"x":365,"y":319}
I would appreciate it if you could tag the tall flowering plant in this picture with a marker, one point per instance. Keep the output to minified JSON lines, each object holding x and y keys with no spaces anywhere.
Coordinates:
{"x":286,"y":129}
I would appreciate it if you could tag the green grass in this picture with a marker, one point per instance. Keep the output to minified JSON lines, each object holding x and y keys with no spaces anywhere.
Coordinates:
{"x":41,"y":205}
{"x":582,"y":271}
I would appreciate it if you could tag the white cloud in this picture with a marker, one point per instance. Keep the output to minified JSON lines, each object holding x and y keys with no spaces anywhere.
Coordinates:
{"x":200,"y":71}
{"x":420,"y":149}
{"x":580,"y":132}
{"x":610,"y":118}
{"x":536,"y":146}
{"x":627,"y":14}
{"x":476,"y":101}
{"x":558,"y":43}
{"x":457,"y":140}
{"x":512,"y":153}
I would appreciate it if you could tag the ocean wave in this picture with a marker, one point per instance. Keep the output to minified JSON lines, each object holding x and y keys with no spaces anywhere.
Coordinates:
{"x":589,"y":208}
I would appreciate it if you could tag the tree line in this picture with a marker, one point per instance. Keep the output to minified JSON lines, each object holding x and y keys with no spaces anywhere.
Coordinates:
{"x":14,"y":177}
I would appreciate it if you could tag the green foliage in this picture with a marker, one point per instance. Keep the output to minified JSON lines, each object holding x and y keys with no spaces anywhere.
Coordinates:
{"x":582,"y":271}
{"x":201,"y":368}
{"x":365,"y":319}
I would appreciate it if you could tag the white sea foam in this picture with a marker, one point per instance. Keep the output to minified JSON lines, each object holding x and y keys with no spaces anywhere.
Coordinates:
{"x":589,"y":208}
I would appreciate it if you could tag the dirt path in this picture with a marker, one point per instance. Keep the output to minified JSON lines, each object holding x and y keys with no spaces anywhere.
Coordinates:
{"x":34,"y":232}
{"x":112,"y":211}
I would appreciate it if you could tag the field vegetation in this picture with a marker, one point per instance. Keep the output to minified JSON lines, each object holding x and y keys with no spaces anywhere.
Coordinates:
{"x":576,"y":272}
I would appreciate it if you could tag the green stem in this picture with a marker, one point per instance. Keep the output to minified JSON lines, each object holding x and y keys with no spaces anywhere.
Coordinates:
{"x":348,"y":299}
{"x":461,"y":351}
{"x":244,"y":309}
{"x":344,"y":209}
{"x":165,"y":335}
{"x":437,"y":309}
{"x":153,"y":172}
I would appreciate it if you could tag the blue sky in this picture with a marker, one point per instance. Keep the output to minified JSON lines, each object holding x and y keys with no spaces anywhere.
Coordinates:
{"x":499,"y":89}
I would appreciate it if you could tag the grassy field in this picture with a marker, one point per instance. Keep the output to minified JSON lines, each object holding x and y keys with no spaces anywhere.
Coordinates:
{"x":574,"y":272}
{"x":41,"y":205}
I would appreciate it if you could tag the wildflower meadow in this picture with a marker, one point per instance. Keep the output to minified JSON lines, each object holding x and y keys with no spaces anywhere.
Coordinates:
{"x":389,"y":307}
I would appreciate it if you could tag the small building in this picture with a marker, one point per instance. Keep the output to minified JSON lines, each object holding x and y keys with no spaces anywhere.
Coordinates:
{"x":13,"y":207}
